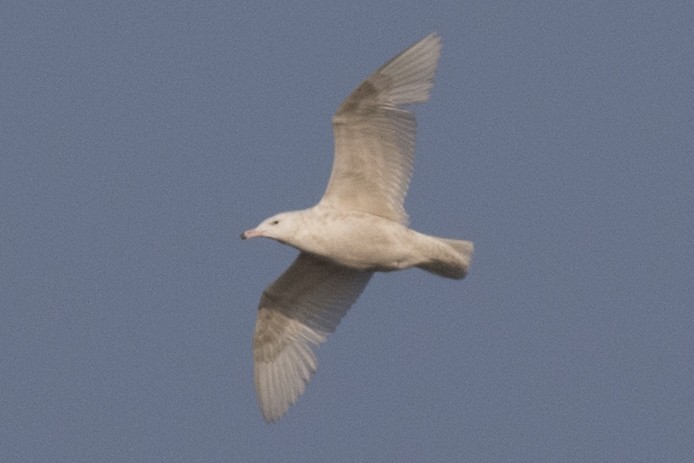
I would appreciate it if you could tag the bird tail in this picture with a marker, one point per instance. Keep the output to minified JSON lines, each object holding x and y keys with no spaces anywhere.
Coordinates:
{"x":451,"y":259}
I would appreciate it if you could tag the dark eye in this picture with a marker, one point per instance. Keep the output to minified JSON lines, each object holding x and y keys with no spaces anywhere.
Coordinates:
{"x":274,"y":222}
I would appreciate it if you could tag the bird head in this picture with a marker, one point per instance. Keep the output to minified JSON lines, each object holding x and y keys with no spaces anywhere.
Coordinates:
{"x":281,"y":227}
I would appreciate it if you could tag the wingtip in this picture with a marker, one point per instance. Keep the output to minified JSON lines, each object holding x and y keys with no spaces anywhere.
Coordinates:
{"x":433,"y":37}
{"x":410,"y":74}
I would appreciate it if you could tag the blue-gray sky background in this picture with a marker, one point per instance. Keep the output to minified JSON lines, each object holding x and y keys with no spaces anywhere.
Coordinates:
{"x":138,"y":139}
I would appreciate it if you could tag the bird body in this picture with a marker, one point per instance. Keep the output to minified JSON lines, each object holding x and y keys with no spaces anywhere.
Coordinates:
{"x":359,"y":227}
{"x":366,"y":242}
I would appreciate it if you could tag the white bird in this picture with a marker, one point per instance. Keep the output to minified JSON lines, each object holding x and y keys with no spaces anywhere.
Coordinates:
{"x":359,"y":227}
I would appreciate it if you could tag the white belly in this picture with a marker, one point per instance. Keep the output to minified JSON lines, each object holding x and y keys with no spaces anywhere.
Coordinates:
{"x":364,"y":242}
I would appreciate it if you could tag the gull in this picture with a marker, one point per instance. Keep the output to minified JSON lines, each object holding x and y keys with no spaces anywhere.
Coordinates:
{"x":357,"y":228}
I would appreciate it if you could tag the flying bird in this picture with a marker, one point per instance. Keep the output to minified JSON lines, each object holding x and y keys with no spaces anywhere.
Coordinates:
{"x":357,"y":228}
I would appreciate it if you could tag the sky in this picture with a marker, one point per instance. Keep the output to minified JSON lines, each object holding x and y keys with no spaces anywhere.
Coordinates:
{"x":138,"y":139}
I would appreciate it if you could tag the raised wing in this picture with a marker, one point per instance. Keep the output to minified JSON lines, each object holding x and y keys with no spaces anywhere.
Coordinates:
{"x":297,"y":312}
{"x":374,"y":134}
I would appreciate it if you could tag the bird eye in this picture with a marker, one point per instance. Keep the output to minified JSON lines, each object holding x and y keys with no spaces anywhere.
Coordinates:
{"x":274,"y":222}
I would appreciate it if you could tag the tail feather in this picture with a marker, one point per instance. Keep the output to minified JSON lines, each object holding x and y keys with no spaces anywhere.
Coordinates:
{"x":452,"y":259}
